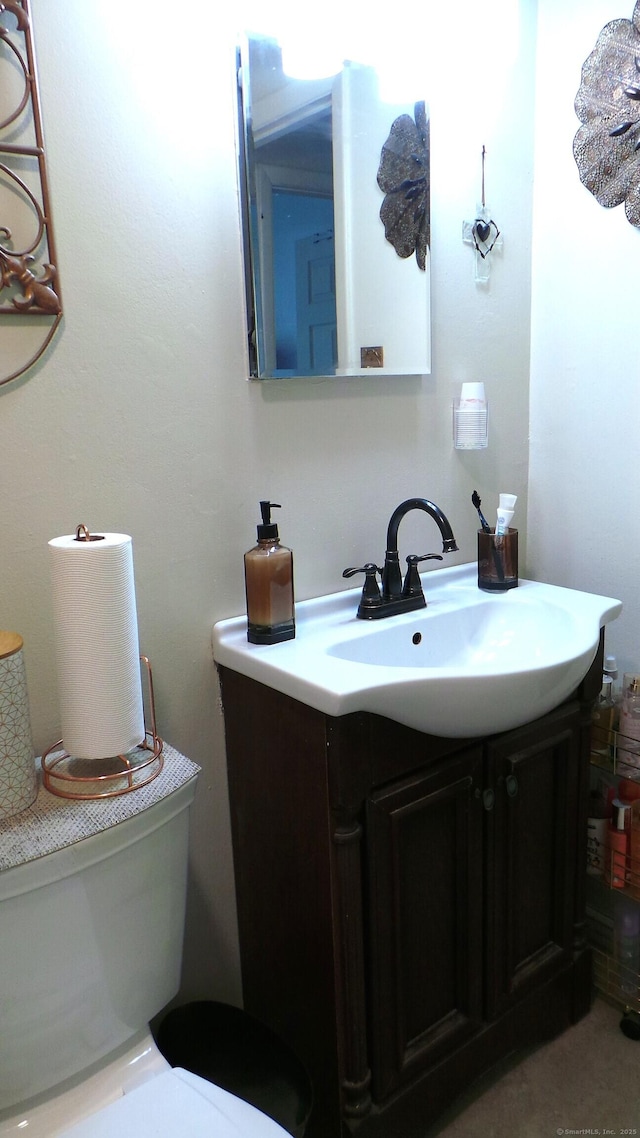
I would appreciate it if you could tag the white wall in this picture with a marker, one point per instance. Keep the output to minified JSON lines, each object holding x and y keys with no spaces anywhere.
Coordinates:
{"x":140,"y":418}
{"x":585,"y":370}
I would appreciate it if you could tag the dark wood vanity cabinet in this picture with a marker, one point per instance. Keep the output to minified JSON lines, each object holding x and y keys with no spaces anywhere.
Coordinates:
{"x":410,"y":908}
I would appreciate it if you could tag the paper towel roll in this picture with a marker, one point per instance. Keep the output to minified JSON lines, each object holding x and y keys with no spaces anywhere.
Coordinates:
{"x":97,"y":649}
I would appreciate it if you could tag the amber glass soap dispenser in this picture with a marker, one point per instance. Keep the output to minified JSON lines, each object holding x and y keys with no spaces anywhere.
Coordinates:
{"x":268,"y":578}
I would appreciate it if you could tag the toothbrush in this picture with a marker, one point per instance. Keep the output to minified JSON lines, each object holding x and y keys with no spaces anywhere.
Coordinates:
{"x":497,"y":560}
{"x":477,"y":502}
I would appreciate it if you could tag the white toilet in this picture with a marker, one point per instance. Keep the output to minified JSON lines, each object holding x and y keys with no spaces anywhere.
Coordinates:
{"x":91,"y":927}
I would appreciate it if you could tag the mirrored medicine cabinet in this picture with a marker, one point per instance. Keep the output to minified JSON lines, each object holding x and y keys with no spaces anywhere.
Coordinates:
{"x":332,"y":287}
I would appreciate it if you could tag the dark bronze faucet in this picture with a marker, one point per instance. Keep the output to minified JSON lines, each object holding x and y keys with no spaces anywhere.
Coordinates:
{"x":398,"y":596}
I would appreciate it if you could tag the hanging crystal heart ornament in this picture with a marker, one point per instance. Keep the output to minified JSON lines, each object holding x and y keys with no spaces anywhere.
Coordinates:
{"x":485,"y":235}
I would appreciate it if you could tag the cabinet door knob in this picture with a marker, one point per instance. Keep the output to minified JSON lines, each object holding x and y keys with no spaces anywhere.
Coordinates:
{"x":511,"y":784}
{"x":488,"y":799}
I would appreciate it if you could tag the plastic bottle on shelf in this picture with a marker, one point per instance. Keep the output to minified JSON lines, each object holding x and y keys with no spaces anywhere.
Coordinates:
{"x":629,"y":789}
{"x":628,"y":751}
{"x":634,"y":851}
{"x":597,"y":826}
{"x":602,"y":725}
{"x":610,"y":668}
{"x":618,"y":843}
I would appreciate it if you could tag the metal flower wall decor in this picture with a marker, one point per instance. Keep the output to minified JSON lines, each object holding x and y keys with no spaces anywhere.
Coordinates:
{"x":403,"y":177}
{"x":28,"y":274}
{"x":607,"y":145}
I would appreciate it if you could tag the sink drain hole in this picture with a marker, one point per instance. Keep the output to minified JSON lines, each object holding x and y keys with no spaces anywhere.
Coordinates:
{"x":416,"y":638}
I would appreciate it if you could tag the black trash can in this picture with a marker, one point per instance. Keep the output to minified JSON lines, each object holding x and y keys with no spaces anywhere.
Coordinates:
{"x":232,"y":1049}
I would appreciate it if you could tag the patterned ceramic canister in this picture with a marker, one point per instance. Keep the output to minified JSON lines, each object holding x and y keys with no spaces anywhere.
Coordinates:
{"x":18,"y":781}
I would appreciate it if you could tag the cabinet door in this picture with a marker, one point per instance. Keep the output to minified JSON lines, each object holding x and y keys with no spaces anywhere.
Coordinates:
{"x":425,"y":910}
{"x":531,"y":855}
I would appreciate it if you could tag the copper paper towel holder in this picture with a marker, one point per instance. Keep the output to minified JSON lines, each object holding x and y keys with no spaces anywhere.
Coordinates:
{"x":70,"y":777}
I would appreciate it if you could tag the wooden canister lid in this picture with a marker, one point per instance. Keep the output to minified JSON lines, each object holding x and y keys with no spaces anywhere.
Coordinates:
{"x":10,"y":643}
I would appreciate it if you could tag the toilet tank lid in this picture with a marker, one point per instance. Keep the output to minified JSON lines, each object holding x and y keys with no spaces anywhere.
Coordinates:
{"x":53,"y":823}
{"x":174,"y":1104}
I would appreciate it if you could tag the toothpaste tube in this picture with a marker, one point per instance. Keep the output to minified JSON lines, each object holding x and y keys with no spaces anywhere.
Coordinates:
{"x":506,"y":509}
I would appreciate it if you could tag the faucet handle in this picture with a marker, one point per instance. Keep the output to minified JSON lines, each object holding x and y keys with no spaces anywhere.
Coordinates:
{"x":371,"y":595}
{"x":370,"y":583}
{"x":370,"y":569}
{"x":412,"y":585}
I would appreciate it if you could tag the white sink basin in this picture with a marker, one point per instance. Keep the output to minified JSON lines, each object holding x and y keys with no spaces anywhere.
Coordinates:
{"x":471,"y":663}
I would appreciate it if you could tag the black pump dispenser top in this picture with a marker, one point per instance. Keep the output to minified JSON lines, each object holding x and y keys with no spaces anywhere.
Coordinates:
{"x":268,"y":529}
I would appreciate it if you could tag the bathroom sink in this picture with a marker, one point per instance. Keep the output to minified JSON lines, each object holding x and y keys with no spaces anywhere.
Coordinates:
{"x":471,"y":663}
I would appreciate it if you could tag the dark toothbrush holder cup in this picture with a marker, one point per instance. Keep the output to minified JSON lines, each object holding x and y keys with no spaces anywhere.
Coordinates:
{"x":497,"y":560}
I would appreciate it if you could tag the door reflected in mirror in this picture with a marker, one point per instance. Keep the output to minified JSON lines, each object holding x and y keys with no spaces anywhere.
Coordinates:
{"x":328,"y":293}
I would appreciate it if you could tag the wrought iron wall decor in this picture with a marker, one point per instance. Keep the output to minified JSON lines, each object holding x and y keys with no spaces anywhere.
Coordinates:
{"x":607,"y":145}
{"x":28,"y":264}
{"x":403,"y":177}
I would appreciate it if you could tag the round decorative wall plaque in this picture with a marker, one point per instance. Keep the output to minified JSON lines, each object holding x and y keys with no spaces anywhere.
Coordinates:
{"x":607,"y":145}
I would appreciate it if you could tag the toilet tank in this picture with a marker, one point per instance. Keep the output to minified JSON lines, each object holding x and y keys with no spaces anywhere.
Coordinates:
{"x":90,"y":942}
